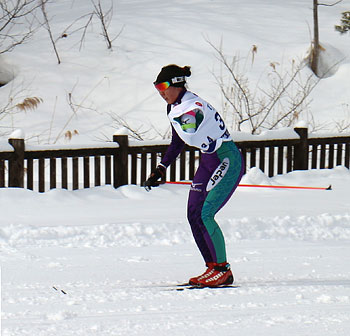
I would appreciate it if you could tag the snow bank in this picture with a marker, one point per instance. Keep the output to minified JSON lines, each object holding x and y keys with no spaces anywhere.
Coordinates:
{"x":131,"y":217}
{"x":304,"y":228}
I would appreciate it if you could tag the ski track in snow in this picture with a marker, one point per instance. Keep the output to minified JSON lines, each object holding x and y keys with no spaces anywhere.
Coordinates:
{"x":106,"y":262}
{"x":118,"y":278}
{"x":109,"y":292}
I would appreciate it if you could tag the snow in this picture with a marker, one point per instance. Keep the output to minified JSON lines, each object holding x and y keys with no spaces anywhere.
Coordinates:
{"x":117,"y":254}
{"x":17,"y":134}
{"x":104,"y":261}
{"x":95,"y":91}
{"x":71,"y":146}
{"x":5,"y":146}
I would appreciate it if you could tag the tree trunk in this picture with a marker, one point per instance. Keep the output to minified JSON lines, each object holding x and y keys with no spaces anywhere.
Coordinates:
{"x":316,"y":45}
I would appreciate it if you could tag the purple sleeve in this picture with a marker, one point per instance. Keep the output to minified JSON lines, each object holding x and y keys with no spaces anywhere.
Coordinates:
{"x":173,"y":150}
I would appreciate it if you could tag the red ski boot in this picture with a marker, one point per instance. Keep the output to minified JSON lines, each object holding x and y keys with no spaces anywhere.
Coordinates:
{"x":216,"y":275}
{"x":210,"y":270}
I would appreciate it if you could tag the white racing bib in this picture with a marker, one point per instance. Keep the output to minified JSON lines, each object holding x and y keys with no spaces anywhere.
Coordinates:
{"x":212,"y":129}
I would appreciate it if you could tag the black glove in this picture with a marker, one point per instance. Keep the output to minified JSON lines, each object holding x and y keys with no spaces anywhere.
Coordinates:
{"x":158,"y":173}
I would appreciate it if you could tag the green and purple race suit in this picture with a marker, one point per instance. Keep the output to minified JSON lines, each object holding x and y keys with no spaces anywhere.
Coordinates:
{"x":198,"y":124}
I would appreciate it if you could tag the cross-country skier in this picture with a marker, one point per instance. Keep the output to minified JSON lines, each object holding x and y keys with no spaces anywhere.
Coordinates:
{"x":196,"y":123}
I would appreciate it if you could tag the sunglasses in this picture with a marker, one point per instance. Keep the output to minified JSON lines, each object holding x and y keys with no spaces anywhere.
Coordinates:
{"x":162,"y":86}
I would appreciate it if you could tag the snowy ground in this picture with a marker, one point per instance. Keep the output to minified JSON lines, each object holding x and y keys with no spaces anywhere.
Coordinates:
{"x":117,"y":253}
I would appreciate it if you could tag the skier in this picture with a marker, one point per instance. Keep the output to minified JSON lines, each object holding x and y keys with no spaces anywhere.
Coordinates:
{"x":196,"y":123}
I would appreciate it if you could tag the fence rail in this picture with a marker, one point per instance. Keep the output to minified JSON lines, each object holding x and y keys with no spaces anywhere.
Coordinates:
{"x":122,"y":162}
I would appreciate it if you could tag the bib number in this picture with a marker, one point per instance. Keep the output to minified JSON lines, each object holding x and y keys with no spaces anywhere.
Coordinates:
{"x":221,"y":122}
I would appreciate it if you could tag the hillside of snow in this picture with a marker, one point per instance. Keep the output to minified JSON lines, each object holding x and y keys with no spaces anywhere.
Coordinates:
{"x":94,"y":91}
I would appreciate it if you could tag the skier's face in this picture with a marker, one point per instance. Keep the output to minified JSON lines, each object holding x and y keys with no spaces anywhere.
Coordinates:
{"x":170,"y":94}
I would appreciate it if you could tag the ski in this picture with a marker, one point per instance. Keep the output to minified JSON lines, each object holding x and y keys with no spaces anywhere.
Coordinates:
{"x":187,"y":286}
{"x":59,"y":290}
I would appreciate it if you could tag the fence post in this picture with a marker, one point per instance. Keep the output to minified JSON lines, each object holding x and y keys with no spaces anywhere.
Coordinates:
{"x":16,"y":163}
{"x":120,"y":161}
{"x":301,"y":151}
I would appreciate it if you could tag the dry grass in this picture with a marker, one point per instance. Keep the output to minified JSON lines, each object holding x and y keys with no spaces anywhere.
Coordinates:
{"x":30,"y":103}
{"x":69,"y":134}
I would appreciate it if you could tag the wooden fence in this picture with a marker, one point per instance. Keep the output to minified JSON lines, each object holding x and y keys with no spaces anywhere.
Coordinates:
{"x":122,"y":162}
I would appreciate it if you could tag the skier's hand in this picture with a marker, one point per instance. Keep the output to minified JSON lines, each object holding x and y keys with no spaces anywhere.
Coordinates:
{"x":158,"y":173}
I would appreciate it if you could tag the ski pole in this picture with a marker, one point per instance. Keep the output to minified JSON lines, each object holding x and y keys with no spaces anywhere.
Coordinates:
{"x":263,"y":186}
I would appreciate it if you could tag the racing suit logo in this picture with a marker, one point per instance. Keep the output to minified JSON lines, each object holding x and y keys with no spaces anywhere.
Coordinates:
{"x":196,"y":187}
{"x":219,"y":174}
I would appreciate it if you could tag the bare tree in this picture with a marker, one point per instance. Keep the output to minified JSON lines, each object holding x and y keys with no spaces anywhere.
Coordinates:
{"x":48,"y":28}
{"x":316,"y":47}
{"x":105,"y":17}
{"x":315,"y":51}
{"x":17,"y":22}
{"x":84,"y":28}
{"x":136,"y":133}
{"x":278,"y":103}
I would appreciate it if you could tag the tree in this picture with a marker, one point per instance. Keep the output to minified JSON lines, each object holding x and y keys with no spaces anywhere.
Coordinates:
{"x":316,"y":47}
{"x":17,"y":22}
{"x":105,"y":18}
{"x":278,"y":102}
{"x":315,"y":51}
{"x":48,"y":28}
{"x":345,"y":23}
